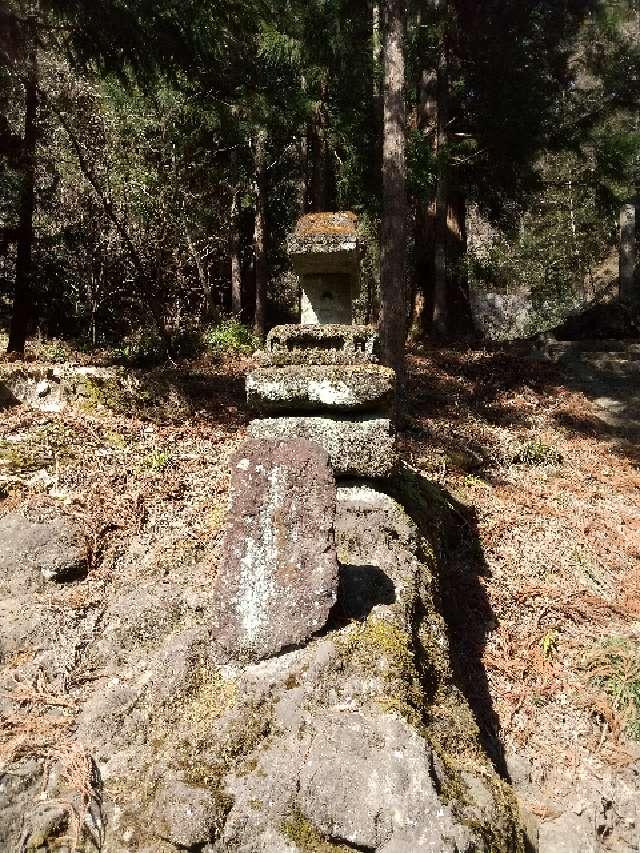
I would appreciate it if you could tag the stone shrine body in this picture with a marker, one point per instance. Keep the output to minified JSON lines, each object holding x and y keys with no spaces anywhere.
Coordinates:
{"x":325,"y":254}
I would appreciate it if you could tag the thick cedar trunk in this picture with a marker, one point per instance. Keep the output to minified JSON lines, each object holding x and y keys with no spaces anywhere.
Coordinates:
{"x":393,"y":257}
{"x":23,"y":296}
{"x":259,"y":235}
{"x":320,"y":171}
{"x":440,"y":285}
{"x":236,"y":275}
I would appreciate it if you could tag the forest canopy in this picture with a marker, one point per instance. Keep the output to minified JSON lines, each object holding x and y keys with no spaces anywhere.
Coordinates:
{"x":155,"y":155}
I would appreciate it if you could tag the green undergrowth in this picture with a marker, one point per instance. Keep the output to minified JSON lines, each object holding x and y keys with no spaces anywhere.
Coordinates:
{"x":40,"y":449}
{"x":537,"y":453}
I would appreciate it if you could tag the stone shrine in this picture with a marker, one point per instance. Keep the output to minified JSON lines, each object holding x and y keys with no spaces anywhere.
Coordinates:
{"x":323,"y":381}
{"x":325,"y":254}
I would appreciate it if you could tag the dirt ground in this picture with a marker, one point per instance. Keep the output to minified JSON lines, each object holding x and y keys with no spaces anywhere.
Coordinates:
{"x":540,"y":579}
{"x":541,"y":587}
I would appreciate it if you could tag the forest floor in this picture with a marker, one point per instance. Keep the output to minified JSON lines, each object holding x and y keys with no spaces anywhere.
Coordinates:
{"x":540,"y":581}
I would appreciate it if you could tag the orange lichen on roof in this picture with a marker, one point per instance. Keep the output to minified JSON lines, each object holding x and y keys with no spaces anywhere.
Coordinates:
{"x":342,"y":223}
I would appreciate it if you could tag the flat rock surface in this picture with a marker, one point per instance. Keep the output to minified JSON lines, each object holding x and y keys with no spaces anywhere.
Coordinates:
{"x":357,"y":446}
{"x":278,"y":578}
{"x":313,"y":387}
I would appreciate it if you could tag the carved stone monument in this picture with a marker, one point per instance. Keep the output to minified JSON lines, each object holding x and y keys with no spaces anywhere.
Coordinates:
{"x":322,"y":380}
{"x":324,"y":252}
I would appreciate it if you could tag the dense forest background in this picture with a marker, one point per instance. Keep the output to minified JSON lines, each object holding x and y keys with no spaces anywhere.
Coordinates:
{"x":155,"y":154}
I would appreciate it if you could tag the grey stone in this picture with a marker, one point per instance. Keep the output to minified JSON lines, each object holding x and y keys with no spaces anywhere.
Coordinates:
{"x":329,"y":344}
{"x":357,"y":446}
{"x":569,"y":833}
{"x":383,"y":797}
{"x":278,"y":578}
{"x":313,"y":387}
{"x":326,"y":299}
{"x":187,"y":816}
{"x":39,"y":543}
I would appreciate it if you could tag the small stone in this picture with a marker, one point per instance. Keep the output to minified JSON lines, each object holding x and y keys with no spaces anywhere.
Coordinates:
{"x":188,"y":816}
{"x":340,"y":387}
{"x":360,"y":447}
{"x":569,"y":833}
{"x":278,"y":577}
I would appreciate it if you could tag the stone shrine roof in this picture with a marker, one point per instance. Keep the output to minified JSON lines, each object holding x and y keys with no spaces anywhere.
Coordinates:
{"x":342,"y":224}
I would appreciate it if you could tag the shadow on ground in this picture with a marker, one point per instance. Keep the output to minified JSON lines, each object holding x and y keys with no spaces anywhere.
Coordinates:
{"x":469,"y":616}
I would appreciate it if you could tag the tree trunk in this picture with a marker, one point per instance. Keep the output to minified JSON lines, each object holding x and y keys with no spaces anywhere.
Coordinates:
{"x":394,"y":194}
{"x":440,"y":286}
{"x":23,"y":295}
{"x":236,"y":270}
{"x":321,"y":177}
{"x":259,"y":235}
{"x":628,"y":251}
{"x":424,"y":223}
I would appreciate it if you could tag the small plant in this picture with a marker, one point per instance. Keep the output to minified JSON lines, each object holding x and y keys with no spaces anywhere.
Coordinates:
{"x":230,"y":336}
{"x":614,"y":666}
{"x":537,"y":453}
{"x":549,"y":643}
{"x":308,"y":837}
{"x":158,"y":461}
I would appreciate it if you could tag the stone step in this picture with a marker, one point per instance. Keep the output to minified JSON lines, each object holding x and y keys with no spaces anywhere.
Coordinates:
{"x":357,"y":446}
{"x":321,"y":344}
{"x":315,"y":387}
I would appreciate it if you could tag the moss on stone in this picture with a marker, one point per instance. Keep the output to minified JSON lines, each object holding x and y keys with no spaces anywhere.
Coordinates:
{"x":307,"y":837}
{"x":381,"y":650}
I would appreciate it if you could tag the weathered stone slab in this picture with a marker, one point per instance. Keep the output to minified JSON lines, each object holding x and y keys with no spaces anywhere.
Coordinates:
{"x":313,"y":387}
{"x":329,"y":344}
{"x":357,"y":446}
{"x":277,"y":579}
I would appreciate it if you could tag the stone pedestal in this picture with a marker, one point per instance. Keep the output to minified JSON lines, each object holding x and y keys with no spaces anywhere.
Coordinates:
{"x":322,"y":380}
{"x":324,"y":384}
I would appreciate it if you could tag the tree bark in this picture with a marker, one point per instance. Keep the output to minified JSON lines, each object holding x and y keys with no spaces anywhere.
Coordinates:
{"x":321,"y":176}
{"x":628,"y":251}
{"x":236,"y":270}
{"x":394,"y":216}
{"x":440,"y":285}
{"x":424,"y":224}
{"x":23,"y":295}
{"x":259,"y":235}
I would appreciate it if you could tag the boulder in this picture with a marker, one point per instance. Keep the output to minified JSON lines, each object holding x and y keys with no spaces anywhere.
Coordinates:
{"x":278,"y":576}
{"x":357,"y":446}
{"x":40,"y":544}
{"x":314,"y":387}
